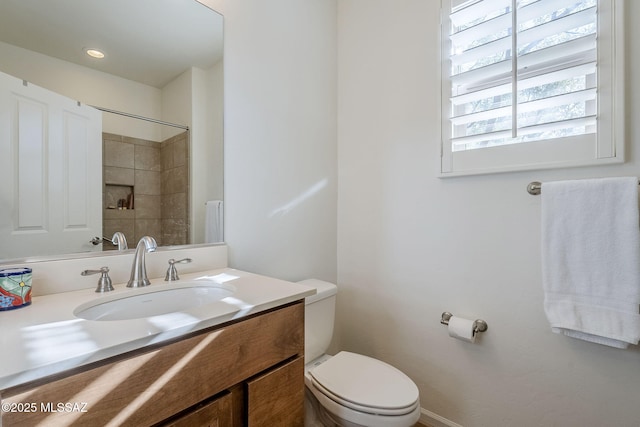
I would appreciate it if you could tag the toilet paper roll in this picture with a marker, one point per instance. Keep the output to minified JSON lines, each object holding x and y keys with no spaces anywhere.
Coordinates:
{"x":461,"y":329}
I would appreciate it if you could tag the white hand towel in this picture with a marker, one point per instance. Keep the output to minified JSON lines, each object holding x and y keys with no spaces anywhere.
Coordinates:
{"x":591,"y":259}
{"x":214,"y":222}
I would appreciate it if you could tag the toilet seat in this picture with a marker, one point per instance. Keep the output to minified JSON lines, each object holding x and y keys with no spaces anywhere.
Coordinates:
{"x":365,"y":384}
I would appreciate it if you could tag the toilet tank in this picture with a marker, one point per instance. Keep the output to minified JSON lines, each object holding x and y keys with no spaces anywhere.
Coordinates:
{"x":319,"y":316}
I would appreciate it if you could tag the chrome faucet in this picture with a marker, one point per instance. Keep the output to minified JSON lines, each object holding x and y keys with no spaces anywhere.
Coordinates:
{"x":119,"y":240}
{"x":138,"y":269}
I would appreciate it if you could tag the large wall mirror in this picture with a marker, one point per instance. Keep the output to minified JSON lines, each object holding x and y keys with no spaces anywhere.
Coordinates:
{"x":158,"y":91}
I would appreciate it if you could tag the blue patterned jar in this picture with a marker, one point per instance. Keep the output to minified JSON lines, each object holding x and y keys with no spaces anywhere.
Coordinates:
{"x":15,"y":288}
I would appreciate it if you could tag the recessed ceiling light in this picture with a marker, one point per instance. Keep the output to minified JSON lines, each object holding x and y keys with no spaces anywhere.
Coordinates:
{"x":94,"y":53}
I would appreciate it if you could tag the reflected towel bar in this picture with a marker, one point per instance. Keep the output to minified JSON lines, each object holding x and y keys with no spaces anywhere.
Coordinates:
{"x":535,"y":188}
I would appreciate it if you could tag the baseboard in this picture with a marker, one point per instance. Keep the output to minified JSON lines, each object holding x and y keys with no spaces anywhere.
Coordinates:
{"x":430,"y":419}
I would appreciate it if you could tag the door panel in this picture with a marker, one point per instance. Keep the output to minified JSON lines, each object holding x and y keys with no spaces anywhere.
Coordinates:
{"x":51,"y":172}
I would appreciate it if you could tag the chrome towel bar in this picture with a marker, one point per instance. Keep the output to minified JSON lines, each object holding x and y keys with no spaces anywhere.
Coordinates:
{"x":535,"y":188}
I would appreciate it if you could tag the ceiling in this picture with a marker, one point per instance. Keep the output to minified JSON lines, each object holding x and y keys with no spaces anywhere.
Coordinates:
{"x":148,"y":41}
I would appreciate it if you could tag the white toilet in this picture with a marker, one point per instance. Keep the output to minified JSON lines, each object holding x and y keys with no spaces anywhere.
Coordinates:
{"x":349,"y":389}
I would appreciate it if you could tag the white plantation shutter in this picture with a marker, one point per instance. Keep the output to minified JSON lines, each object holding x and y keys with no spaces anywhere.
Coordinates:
{"x":538,"y":73}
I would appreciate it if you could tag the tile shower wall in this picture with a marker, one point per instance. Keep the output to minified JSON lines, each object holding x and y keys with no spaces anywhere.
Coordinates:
{"x":156,"y":174}
{"x":174,"y":189}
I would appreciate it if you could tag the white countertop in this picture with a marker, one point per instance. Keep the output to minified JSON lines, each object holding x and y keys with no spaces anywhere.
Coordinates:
{"x":46,"y":338}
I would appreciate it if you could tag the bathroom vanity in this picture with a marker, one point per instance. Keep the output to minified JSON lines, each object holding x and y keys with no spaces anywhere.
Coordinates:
{"x":241,"y":366}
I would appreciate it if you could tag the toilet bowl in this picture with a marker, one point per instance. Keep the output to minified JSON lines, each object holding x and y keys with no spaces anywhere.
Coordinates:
{"x":350,"y":389}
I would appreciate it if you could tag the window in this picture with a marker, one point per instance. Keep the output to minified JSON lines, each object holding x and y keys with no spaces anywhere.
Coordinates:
{"x":530,"y":84}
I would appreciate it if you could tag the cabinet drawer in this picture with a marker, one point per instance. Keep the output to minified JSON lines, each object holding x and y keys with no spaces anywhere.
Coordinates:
{"x":152,"y":386}
{"x":216,"y":413}
{"x":276,"y":398}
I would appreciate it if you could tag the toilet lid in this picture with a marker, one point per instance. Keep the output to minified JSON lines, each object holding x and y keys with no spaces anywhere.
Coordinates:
{"x":366,"y":383}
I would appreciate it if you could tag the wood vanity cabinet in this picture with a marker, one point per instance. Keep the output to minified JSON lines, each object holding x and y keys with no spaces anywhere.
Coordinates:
{"x":244,"y":373}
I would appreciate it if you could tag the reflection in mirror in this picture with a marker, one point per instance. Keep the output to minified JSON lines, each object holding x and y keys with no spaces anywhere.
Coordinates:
{"x":163,"y":61}
{"x":145,"y":189}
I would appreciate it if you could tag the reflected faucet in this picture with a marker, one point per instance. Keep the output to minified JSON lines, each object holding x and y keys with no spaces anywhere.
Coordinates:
{"x":138,"y":269}
{"x":119,"y":240}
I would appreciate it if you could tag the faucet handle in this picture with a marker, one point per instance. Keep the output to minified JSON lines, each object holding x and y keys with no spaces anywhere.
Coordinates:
{"x":104,"y":282}
{"x":172,"y":271}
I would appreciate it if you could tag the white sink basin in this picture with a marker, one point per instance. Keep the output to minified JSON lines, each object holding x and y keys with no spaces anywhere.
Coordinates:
{"x":154,"y":300}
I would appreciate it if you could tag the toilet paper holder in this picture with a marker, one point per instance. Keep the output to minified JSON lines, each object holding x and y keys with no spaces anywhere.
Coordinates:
{"x":479,"y":325}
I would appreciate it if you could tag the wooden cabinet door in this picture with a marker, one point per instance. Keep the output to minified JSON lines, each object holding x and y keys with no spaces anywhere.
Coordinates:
{"x":213,"y":414}
{"x":276,"y":398}
{"x":155,"y":384}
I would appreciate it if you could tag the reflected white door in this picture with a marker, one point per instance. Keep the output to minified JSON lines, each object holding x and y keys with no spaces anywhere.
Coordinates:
{"x":50,"y":172}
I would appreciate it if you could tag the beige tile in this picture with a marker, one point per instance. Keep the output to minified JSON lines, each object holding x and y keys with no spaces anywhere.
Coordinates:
{"x":149,"y":227}
{"x":159,"y":175}
{"x":118,"y":176}
{"x":147,"y":158}
{"x":118,"y":154}
{"x":180,"y":152}
{"x":147,"y":182}
{"x":139,"y":141}
{"x":175,"y":151}
{"x":174,"y":232}
{"x":147,"y":207}
{"x":181,"y":178}
{"x":111,"y":137}
{"x":165,"y":177}
{"x":174,"y":206}
{"x":166,"y":156}
{"x":175,"y":180}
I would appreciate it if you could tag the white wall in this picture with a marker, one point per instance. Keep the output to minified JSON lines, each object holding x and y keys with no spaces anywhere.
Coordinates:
{"x":280,"y":137}
{"x":207,"y":154}
{"x":177,"y":103}
{"x":89,"y":87}
{"x":411,"y":245}
{"x":214,"y":125}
